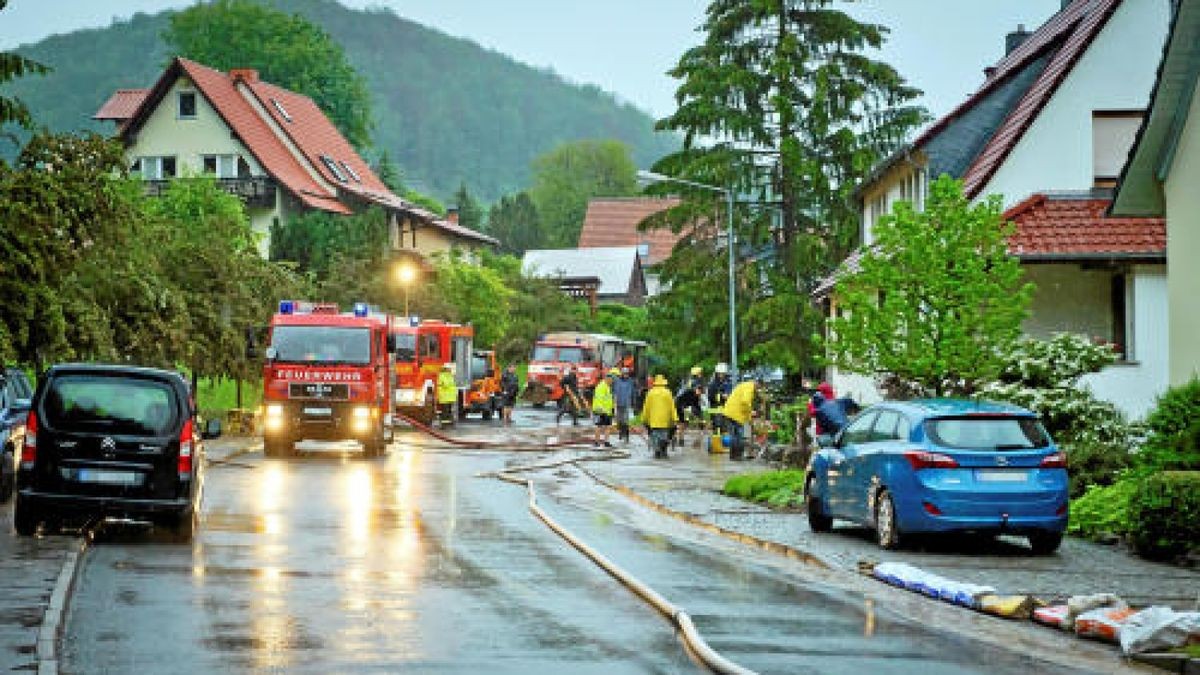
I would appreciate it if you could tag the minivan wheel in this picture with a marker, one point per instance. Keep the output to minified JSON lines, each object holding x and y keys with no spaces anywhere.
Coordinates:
{"x":25,"y":519}
{"x":8,"y":477}
{"x":1045,"y":543}
{"x":817,"y":520}
{"x":183,"y":527}
{"x":887,"y":533}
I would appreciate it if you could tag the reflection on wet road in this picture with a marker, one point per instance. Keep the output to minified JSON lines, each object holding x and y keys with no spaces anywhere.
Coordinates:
{"x":336,"y":564}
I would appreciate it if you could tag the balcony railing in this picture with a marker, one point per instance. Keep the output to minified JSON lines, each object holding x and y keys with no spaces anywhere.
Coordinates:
{"x":257,"y":191}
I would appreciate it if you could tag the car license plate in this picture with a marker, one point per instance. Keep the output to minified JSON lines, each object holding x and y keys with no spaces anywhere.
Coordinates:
{"x":108,"y":477}
{"x":1002,"y":476}
{"x":318,"y":412}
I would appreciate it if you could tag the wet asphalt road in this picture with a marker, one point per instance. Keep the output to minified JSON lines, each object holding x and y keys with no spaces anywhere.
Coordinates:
{"x":332,"y":563}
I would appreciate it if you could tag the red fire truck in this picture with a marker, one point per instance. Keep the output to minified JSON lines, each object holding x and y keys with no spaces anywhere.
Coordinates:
{"x":590,"y":353}
{"x":421,"y":349}
{"x":326,"y":377}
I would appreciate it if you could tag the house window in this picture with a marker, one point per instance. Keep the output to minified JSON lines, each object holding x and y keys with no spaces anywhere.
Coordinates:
{"x":1121,"y":333}
{"x":223,"y":166}
{"x":352,"y":172}
{"x":154,"y":168}
{"x":187,"y":105}
{"x":1113,"y":134}
{"x":333,"y":168}
{"x":281,"y":110}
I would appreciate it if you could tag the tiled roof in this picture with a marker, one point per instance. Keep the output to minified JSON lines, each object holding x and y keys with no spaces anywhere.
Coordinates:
{"x":121,"y":105}
{"x":1076,"y":27}
{"x":1050,"y":226}
{"x":614,"y":222}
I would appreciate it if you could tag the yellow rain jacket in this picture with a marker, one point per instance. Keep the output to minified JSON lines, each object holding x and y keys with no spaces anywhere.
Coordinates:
{"x":658,"y":412}
{"x":740,"y":403}
{"x":447,"y":390}
{"x":602,"y":399}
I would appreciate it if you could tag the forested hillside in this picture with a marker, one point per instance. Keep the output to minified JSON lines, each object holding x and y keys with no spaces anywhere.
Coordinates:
{"x":446,"y":109}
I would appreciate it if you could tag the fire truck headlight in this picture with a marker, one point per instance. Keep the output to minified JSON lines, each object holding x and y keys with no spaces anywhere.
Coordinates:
{"x":362,"y":418}
{"x":274,"y":418}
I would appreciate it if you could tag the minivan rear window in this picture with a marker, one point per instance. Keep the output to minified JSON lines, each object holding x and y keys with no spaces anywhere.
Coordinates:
{"x":113,"y":405}
{"x":988,"y":433}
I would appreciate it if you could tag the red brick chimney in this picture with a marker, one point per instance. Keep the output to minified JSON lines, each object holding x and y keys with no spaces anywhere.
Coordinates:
{"x":247,"y":75}
{"x":452,"y":215}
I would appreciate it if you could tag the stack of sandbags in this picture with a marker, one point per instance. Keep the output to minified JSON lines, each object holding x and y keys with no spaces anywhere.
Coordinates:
{"x":917,"y":580}
{"x":1157,"y":629}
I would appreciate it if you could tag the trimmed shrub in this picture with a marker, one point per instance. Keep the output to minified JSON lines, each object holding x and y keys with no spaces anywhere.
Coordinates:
{"x":1164,"y":514}
{"x":1173,"y":442}
{"x":777,"y":488}
{"x":1103,"y":510}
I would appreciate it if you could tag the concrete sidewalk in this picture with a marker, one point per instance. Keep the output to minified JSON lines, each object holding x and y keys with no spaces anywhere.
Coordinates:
{"x":690,"y":482}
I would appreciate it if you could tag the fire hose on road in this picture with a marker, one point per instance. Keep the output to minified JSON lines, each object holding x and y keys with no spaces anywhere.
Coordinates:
{"x":692,"y":638}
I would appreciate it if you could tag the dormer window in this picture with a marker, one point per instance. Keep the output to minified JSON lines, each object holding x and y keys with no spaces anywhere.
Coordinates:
{"x":333,"y":168}
{"x":187,"y":105}
{"x":350,"y":170}
{"x":281,"y":110}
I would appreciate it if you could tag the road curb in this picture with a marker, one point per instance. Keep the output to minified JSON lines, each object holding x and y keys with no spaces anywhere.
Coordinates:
{"x":52,"y":620}
{"x":695,"y":521}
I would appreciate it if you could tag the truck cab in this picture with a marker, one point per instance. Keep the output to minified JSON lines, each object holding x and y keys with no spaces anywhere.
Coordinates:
{"x":421,"y":349}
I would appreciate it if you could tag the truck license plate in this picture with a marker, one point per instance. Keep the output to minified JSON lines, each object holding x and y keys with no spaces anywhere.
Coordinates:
{"x":318,"y":412}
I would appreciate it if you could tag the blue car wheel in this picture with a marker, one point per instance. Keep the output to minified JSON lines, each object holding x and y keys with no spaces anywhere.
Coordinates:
{"x":818,"y":521}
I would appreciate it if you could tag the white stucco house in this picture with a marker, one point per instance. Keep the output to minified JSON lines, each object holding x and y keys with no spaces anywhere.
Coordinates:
{"x":272,"y":147}
{"x":1049,"y":131}
{"x":1162,"y":178}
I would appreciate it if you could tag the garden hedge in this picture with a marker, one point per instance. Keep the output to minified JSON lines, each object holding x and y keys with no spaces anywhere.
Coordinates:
{"x":1164,"y":514}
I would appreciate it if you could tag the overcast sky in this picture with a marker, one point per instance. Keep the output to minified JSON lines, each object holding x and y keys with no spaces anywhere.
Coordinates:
{"x":626,"y":46}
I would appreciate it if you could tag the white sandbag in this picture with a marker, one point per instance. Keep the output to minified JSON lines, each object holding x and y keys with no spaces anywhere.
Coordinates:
{"x":1078,"y":604}
{"x":1156,"y":629}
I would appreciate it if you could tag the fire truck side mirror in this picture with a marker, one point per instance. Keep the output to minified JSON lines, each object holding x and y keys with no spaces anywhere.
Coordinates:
{"x":272,"y":353}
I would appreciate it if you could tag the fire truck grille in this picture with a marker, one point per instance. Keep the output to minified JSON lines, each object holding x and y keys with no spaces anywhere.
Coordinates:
{"x":320,"y":391}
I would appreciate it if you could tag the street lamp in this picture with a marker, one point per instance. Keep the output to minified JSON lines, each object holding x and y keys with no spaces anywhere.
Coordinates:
{"x":650,"y":177}
{"x":406,"y":274}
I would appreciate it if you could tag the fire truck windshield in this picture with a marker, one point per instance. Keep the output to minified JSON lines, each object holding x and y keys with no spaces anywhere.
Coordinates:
{"x":406,"y":347}
{"x":562,"y":354}
{"x":322,"y":344}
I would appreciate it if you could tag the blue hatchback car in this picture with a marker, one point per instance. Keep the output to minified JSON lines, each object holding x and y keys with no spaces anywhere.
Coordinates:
{"x":942,"y":465}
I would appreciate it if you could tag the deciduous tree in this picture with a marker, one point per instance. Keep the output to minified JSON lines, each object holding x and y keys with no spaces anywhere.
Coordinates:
{"x":937,"y":301}
{"x":286,"y":49}
{"x":565,"y":178}
{"x":13,"y":66}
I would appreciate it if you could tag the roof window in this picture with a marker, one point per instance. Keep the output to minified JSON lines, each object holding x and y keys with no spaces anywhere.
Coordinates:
{"x":281,"y":110}
{"x":333,"y":168}
{"x":350,"y":170}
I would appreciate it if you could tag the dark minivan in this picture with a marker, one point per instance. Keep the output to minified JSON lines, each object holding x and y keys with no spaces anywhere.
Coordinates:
{"x":110,"y":441}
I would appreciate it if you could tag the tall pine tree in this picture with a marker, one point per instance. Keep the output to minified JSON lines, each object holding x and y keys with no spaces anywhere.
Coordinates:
{"x":782,"y":105}
{"x":470,"y":213}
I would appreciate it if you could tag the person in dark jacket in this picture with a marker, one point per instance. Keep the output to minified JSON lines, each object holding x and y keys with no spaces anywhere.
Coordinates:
{"x":719,"y":389}
{"x":833,"y":415}
{"x":569,"y":402}
{"x":823,"y":393}
{"x":510,"y":386}
{"x":624,"y":394}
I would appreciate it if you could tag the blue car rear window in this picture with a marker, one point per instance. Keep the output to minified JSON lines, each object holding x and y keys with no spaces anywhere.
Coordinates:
{"x":987,"y":433}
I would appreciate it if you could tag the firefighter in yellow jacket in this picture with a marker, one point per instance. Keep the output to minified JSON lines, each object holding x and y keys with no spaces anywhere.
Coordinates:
{"x":602,"y":409}
{"x":659,"y":416}
{"x":447,"y":393}
{"x":738,"y":410}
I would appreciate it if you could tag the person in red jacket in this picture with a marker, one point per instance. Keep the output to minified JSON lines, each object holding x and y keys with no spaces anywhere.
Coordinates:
{"x":825,"y":391}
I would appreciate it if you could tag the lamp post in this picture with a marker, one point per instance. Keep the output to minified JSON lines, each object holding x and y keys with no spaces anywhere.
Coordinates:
{"x":650,"y":177}
{"x":406,"y":274}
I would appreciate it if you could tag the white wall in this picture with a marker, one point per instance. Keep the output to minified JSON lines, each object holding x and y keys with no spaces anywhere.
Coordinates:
{"x":1116,"y":73}
{"x":1134,"y":386}
{"x":1183,"y":249}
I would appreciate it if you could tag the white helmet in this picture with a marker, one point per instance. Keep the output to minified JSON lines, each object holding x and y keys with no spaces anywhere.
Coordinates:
{"x":722,"y":369}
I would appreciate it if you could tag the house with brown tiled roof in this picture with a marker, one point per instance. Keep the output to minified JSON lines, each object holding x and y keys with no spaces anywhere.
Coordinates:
{"x":273,"y":148}
{"x":1049,"y":130}
{"x":615,"y":222}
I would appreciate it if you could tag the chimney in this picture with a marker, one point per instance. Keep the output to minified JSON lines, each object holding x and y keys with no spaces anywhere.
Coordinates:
{"x":452,"y":215}
{"x":247,"y":75}
{"x":1015,"y":39}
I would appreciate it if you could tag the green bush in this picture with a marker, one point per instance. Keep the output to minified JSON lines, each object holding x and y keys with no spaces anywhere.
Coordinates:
{"x":1104,"y":509}
{"x":1164,"y":514}
{"x":1094,"y":463}
{"x":776,"y":488}
{"x":1173,"y":442}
